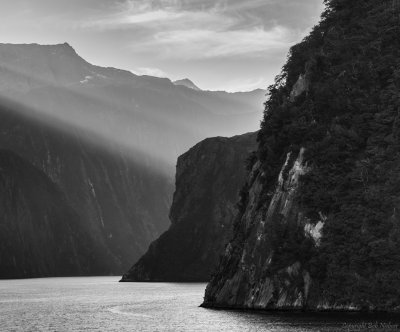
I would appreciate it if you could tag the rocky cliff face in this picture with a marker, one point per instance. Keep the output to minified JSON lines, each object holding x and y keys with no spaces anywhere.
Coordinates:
{"x":318,"y":227}
{"x":120,"y":205}
{"x":208,"y":179}
{"x":249,"y":277}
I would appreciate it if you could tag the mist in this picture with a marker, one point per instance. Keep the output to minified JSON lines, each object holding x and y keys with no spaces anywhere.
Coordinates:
{"x":148,"y":119}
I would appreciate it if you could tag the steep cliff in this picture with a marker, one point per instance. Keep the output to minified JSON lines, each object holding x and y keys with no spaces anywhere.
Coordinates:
{"x":120,"y":204}
{"x":40,"y":234}
{"x":318,"y":226}
{"x":208,"y":179}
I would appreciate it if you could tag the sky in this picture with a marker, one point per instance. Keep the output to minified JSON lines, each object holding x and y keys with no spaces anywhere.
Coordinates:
{"x":231,"y":45}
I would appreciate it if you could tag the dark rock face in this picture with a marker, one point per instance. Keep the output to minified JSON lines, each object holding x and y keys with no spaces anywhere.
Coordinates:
{"x":318,"y":227}
{"x":119,"y":204}
{"x":40,"y":234}
{"x":208,"y":179}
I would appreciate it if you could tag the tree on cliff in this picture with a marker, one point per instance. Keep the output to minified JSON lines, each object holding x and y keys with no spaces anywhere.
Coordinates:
{"x":347,"y":117}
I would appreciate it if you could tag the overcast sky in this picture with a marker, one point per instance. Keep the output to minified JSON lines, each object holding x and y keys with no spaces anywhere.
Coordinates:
{"x":219,"y":44}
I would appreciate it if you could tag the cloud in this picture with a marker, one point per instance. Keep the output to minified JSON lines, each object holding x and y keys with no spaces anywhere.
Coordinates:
{"x":203,"y":44}
{"x":126,"y":21}
{"x":193,"y":29}
{"x":211,"y":41}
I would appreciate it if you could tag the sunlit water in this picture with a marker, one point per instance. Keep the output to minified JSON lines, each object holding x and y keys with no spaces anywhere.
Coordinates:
{"x":103,"y":304}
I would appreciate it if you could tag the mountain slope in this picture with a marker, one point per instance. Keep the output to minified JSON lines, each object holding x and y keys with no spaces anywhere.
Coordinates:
{"x":319,"y":224}
{"x":208,"y":179}
{"x":40,"y":233}
{"x":121,"y":204}
{"x":151,"y":115}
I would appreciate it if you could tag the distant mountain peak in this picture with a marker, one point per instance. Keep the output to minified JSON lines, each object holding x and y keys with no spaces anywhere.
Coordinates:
{"x":188,"y":83}
{"x":66,"y":45}
{"x":65,"y":48}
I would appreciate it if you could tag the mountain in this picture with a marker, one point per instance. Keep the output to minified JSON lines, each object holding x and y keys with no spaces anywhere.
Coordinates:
{"x":141,"y":114}
{"x":208,"y":179}
{"x":107,"y":140}
{"x":119,"y":204}
{"x":188,"y":83}
{"x":40,"y":233}
{"x":318,"y":227}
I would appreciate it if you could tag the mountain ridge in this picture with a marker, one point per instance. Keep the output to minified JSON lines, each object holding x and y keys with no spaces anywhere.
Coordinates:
{"x":188,"y":83}
{"x":60,"y":83}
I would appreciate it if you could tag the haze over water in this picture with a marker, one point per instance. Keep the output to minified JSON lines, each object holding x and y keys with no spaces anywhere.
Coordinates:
{"x":101,"y":303}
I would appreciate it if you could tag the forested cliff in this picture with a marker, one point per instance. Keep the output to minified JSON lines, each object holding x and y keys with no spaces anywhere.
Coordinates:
{"x":319,"y":223}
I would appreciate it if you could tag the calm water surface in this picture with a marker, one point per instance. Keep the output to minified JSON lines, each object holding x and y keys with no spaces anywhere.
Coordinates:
{"x":103,"y":304}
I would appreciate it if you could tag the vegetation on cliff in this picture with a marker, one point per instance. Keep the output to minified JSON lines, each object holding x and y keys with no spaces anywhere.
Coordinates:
{"x":338,"y":98}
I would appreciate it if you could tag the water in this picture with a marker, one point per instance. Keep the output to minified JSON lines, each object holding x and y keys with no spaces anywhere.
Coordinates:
{"x":103,"y":304}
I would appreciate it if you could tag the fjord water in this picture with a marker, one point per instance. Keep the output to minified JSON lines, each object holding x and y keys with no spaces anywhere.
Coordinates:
{"x":103,"y":304}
